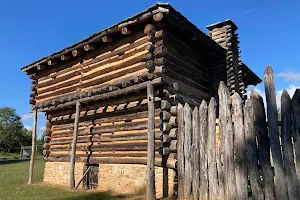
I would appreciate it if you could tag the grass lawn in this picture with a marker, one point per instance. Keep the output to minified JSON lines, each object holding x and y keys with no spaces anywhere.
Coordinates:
{"x":13,"y":185}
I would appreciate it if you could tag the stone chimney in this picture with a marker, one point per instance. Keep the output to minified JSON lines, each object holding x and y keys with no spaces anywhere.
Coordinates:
{"x":224,"y":33}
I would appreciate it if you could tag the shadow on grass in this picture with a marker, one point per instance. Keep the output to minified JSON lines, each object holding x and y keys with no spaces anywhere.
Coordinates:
{"x":12,"y":161}
{"x":94,"y":196}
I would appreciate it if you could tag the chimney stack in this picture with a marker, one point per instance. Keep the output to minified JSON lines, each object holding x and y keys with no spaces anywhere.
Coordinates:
{"x":224,"y":33}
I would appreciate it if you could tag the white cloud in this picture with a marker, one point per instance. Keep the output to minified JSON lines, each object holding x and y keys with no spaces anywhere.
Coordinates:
{"x":28,"y":127}
{"x":293,"y":77}
{"x":26,"y":117}
{"x":29,"y":116}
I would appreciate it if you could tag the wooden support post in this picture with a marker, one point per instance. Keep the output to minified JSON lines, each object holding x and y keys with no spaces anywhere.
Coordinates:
{"x":74,"y":143}
{"x":33,"y":147}
{"x":151,"y":144}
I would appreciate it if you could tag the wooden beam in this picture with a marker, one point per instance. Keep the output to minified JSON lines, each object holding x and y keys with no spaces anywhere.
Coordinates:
{"x":106,"y":38}
{"x":89,"y":47}
{"x":158,"y":16}
{"x":77,"y":53}
{"x":41,"y":66}
{"x":149,"y":30}
{"x":52,"y":62}
{"x":33,"y":145}
{"x":151,"y":144}
{"x":65,"y":57}
{"x":126,"y":31}
{"x":74,"y":142}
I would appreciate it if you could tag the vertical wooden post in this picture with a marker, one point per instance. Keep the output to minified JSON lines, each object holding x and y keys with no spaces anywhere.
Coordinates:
{"x":287,"y":147}
{"x":33,"y":144}
{"x":188,"y":176}
{"x":296,"y":132}
{"x":74,"y":144}
{"x":240,"y":164}
{"x":227,"y":132}
{"x":280,"y":187}
{"x":211,"y":150}
{"x":263,"y":145}
{"x":203,"y":190}
{"x":151,"y":144}
{"x":251,"y":152}
{"x":196,"y":153}
{"x":180,"y":153}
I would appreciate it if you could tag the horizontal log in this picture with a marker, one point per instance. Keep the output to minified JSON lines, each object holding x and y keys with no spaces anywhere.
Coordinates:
{"x":89,"y":47}
{"x":127,"y":126}
{"x":101,"y":139}
{"x":165,"y":138}
{"x":77,"y":52}
{"x":106,"y":38}
{"x":100,"y":59}
{"x":47,"y":139}
{"x":126,"y":31}
{"x":127,"y":90}
{"x":158,"y":16}
{"x":171,"y":163}
{"x":65,"y":57}
{"x":137,"y":145}
{"x":149,"y":30}
{"x":165,"y":126}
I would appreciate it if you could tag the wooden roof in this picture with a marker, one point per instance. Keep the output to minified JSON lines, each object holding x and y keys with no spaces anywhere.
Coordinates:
{"x":173,"y":17}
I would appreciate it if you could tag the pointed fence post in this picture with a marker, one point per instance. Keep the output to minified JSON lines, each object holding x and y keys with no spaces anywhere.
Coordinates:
{"x":240,"y":160}
{"x":280,"y":186}
{"x":33,"y":145}
{"x":195,"y":153}
{"x":211,"y":150}
{"x":251,"y":152}
{"x":74,"y":144}
{"x":187,"y":151}
{"x":227,"y":132}
{"x":296,"y":131}
{"x":151,"y":194}
{"x":203,"y":116}
{"x":287,"y":146}
{"x":263,"y":145}
{"x":180,"y":153}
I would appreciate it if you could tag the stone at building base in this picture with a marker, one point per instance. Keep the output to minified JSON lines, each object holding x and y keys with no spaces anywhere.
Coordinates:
{"x":115,"y":178}
{"x":58,"y":173}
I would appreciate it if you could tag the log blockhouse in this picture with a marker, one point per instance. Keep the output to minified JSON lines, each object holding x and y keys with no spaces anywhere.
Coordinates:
{"x":107,"y":74}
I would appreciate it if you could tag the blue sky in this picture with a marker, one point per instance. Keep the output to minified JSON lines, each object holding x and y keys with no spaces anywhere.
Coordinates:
{"x":268,"y":31}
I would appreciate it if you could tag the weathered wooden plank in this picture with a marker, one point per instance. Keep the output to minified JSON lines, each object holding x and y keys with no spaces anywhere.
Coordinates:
{"x":33,"y":146}
{"x":240,"y":161}
{"x":280,"y":186}
{"x":251,"y":152}
{"x":296,"y":132}
{"x":227,"y":132}
{"x":151,"y":144}
{"x":287,"y":147}
{"x":195,"y":153}
{"x":211,"y":150}
{"x":74,"y":144}
{"x":188,"y":175}
{"x":263,"y":145}
{"x":180,"y":151}
{"x":203,"y":120}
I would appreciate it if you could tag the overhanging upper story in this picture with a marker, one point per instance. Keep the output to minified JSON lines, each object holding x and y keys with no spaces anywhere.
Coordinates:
{"x":158,"y":44}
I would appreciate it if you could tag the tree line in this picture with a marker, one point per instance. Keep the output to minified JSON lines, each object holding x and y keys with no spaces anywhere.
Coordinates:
{"x":13,"y":134}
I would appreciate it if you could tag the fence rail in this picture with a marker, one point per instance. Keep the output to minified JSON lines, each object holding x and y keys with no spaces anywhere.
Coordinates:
{"x":240,"y":153}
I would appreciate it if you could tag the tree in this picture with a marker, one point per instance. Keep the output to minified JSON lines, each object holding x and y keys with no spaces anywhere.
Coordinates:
{"x":12,"y":132}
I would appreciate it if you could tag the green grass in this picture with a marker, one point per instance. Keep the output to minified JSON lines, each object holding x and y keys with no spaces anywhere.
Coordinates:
{"x":13,"y":185}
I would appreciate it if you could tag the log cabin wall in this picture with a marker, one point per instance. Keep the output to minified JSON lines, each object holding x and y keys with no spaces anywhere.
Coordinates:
{"x":224,"y":33}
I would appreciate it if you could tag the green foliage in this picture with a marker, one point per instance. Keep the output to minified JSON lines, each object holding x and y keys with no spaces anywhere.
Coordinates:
{"x":12,"y":132}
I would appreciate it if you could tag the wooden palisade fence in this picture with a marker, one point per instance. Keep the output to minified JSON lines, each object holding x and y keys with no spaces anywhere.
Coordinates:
{"x":231,"y":159}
